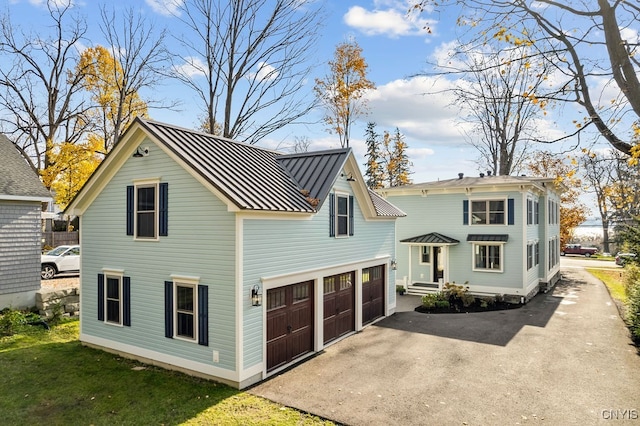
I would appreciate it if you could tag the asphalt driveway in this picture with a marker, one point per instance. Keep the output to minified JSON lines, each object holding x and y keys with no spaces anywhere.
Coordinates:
{"x":564,"y":358}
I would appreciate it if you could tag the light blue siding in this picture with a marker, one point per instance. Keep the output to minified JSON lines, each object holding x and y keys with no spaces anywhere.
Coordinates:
{"x":443,"y":213}
{"x":200,"y":243}
{"x":278,"y":247}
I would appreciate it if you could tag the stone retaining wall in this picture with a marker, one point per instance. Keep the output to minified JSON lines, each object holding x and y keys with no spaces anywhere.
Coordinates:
{"x":47,"y":299}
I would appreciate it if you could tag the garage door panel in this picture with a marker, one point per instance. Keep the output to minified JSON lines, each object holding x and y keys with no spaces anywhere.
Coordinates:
{"x":339,"y":305}
{"x":289,"y":323}
{"x":373,"y":286}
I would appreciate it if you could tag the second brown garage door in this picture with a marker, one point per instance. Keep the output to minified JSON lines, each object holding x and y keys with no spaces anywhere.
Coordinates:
{"x":339,"y":305}
{"x":289,"y":323}
{"x":372,"y":293}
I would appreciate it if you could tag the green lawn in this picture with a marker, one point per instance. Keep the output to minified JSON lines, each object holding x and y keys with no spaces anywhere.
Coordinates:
{"x":48,"y":377}
{"x":613,"y":279}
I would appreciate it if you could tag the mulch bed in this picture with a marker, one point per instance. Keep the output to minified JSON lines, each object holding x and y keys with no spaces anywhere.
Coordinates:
{"x":475,"y":307}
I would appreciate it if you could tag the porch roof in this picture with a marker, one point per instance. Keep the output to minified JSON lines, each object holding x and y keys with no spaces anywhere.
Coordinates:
{"x":432,"y":238}
{"x":495,"y":238}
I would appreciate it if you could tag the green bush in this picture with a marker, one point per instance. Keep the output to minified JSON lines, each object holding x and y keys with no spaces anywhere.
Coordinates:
{"x":11,"y":320}
{"x":458,"y":294}
{"x":632,"y":288}
{"x":442,"y":304}
{"x":429,"y":300}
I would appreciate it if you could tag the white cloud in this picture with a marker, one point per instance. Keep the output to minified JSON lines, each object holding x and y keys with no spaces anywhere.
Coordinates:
{"x":193,"y":67}
{"x":166,"y":7}
{"x":392,"y":22}
{"x":265,"y":72}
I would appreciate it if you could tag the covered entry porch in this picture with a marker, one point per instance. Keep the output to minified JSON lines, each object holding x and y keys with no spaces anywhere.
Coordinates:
{"x":428,"y":262}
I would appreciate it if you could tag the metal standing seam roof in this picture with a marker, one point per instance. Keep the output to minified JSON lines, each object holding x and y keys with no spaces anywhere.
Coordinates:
{"x":495,"y":238}
{"x":249,"y":176}
{"x":17,"y":179}
{"x":431,"y":238}
{"x":383,"y":207}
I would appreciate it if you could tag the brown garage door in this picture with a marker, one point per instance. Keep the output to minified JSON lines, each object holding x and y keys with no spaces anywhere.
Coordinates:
{"x":372,"y":293}
{"x":289,"y":323}
{"x":339,"y":305}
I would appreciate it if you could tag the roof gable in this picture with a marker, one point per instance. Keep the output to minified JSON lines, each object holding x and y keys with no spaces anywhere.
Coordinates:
{"x":17,"y":179}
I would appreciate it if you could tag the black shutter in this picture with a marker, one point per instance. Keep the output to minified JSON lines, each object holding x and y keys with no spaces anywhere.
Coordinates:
{"x":130,"y":209}
{"x":126,"y":301}
{"x":163,"y":200}
{"x":203,"y":315}
{"x":100,"y":297}
{"x":168,"y":309}
{"x":332,"y":215}
{"x":350,"y":214}
{"x":511,"y":211}
{"x":465,"y":212}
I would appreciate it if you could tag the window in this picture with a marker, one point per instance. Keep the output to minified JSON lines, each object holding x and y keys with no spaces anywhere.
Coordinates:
{"x":536,"y":255}
{"x":487,"y":257}
{"x":529,"y":256}
{"x":489,"y":212}
{"x":529,"y":211}
{"x":425,"y":257}
{"x":147,"y":210}
{"x":340,"y":215}
{"x":536,"y":212}
{"x":114,"y":298}
{"x":187,"y":310}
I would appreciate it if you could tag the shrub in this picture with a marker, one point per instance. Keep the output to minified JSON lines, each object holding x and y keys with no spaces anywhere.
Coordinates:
{"x":458,"y":294}
{"x":442,"y":304}
{"x":429,"y":300}
{"x":11,"y":320}
{"x":632,"y":288}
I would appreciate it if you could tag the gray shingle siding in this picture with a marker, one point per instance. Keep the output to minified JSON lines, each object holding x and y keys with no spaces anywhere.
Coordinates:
{"x":20,"y":246}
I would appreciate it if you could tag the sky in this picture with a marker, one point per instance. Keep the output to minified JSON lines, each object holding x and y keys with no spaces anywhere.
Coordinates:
{"x":397,"y":49}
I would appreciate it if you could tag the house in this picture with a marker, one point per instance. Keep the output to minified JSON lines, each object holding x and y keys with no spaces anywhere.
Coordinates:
{"x":498,"y":234}
{"x":21,"y":198}
{"x":225,"y":260}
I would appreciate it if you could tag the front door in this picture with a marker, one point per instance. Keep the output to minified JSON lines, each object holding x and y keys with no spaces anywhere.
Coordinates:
{"x":438,"y":263}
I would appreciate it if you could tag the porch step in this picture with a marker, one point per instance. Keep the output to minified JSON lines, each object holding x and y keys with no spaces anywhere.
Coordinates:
{"x":420,"y":289}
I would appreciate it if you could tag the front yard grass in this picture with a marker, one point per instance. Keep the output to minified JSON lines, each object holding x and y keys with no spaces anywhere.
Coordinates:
{"x":48,"y":377}
{"x":614,"y":280}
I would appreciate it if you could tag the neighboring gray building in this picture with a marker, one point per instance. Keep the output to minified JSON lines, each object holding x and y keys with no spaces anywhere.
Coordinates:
{"x":21,"y":198}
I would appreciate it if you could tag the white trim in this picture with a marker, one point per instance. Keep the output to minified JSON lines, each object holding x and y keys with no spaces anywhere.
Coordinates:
{"x":488,"y":211}
{"x":310,"y":274}
{"x":239,"y":289}
{"x":500,"y":244}
{"x":25,"y":198}
{"x":340,"y":194}
{"x":186,"y":279}
{"x":147,"y":183}
{"x":177,"y":361}
{"x":112,"y":271}
{"x":194,"y":288}
{"x":119,"y":277}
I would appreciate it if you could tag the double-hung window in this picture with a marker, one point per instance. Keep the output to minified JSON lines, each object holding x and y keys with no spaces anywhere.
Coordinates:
{"x":114,"y":298}
{"x":487,"y":257}
{"x":147,"y":209}
{"x":341,"y":223}
{"x":425,"y":255}
{"x":488,"y":212}
{"x":187,"y":310}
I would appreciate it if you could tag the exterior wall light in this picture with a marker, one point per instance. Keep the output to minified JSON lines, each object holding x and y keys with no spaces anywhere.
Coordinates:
{"x":394,"y":265}
{"x":256,"y":296}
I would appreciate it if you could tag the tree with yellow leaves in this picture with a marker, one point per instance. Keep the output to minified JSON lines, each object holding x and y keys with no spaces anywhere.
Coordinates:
{"x":342,"y":91}
{"x":564,"y":171}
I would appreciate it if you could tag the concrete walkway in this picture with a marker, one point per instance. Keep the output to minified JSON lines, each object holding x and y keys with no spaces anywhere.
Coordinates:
{"x":564,"y":358}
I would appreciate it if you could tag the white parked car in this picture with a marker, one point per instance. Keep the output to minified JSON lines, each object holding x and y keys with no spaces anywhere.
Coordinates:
{"x":60,"y":259}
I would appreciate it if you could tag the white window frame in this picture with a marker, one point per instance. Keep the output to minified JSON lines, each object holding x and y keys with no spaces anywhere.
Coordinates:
{"x":484,"y":243}
{"x":120,"y":277}
{"x":155,"y":183}
{"x":193,"y":284}
{"x":339,"y":195}
{"x":422,"y":249}
{"x":487,"y":202}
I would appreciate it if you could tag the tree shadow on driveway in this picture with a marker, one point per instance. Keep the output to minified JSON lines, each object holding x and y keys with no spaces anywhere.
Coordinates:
{"x":493,"y":327}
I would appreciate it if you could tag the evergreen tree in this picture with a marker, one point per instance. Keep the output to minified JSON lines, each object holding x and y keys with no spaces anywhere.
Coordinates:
{"x":374,"y":173}
{"x":399,"y":164}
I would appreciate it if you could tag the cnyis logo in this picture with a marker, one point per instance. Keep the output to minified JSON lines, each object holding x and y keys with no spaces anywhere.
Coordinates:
{"x":629,"y":414}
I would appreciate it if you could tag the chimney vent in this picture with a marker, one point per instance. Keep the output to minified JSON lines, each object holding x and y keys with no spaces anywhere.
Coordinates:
{"x":481,"y":175}
{"x":488,"y":172}
{"x":460,"y":175}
